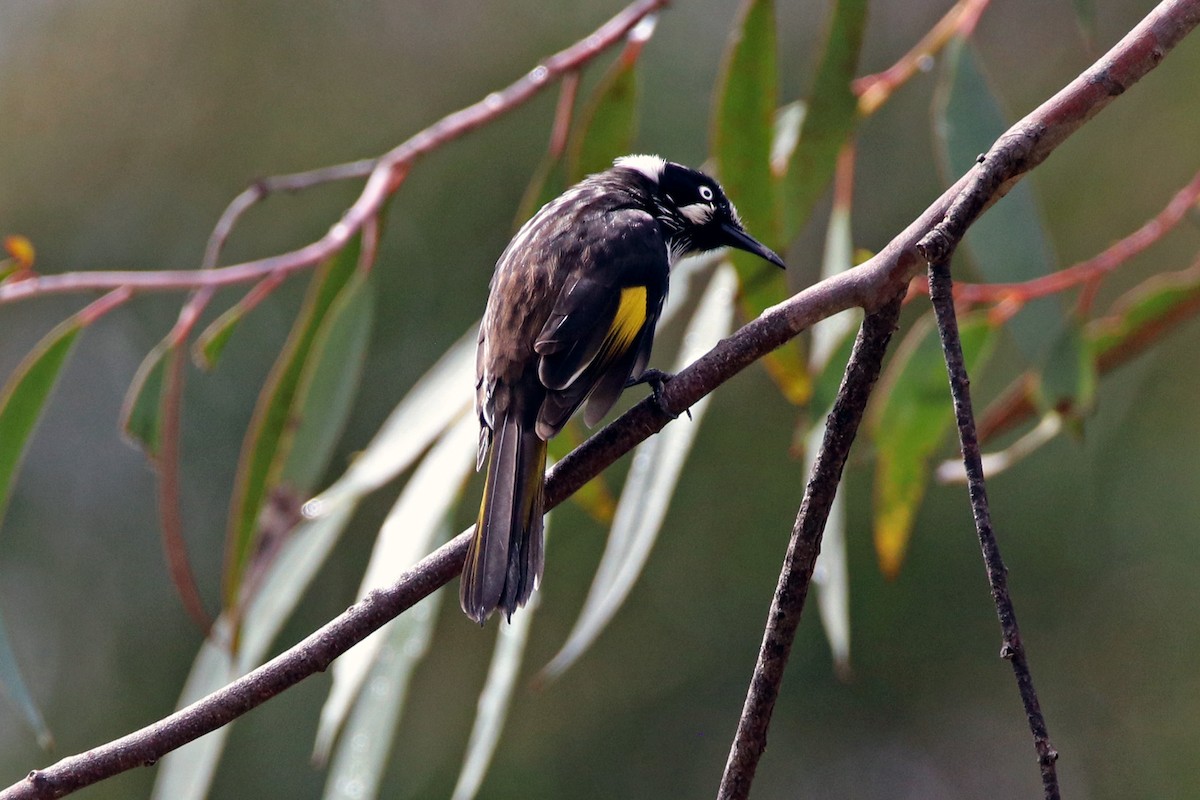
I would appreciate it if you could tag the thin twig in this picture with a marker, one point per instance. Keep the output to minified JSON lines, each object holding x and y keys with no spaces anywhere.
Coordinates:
{"x":1090,"y":272}
{"x":874,"y":90}
{"x":869,"y":286}
{"x":385,"y":178}
{"x":787,"y":604}
{"x":941,"y":294}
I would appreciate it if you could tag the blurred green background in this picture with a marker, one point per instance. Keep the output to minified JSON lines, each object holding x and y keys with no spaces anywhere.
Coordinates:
{"x":125,"y":128}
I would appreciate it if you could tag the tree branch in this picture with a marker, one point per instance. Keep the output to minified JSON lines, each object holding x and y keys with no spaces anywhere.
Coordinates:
{"x":870,"y":286}
{"x":941,"y":293}
{"x":805,"y":544}
{"x":384,"y":179}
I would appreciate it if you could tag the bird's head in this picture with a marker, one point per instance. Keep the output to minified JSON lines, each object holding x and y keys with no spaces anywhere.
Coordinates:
{"x":693,"y":210}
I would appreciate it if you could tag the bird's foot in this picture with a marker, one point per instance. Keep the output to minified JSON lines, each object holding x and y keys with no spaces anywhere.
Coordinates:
{"x":657,"y":379}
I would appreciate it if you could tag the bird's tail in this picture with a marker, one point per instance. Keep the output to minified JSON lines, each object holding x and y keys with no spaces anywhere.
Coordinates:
{"x":504,"y":561}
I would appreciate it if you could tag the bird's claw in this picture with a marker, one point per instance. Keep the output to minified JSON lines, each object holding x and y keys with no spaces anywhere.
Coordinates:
{"x":657,"y":379}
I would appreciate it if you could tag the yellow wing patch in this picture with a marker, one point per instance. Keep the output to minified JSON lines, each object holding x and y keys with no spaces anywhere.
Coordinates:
{"x":627,"y":322}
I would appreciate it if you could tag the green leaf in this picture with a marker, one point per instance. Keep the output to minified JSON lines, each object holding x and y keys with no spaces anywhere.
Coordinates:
{"x":24,"y":397}
{"x":548,"y":182}
{"x":187,"y":773}
{"x":908,"y":422}
{"x":496,"y":697}
{"x":743,"y":140}
{"x":329,"y":383}
{"x":141,"y":413}
{"x":830,"y":118}
{"x":650,"y":485}
{"x":1143,"y":313}
{"x":265,"y":448}
{"x":1008,"y":243}
{"x":743,"y":127}
{"x":14,"y":686}
{"x":1069,"y":378}
{"x":607,"y":123}
{"x":411,"y":530}
{"x":366,"y":748}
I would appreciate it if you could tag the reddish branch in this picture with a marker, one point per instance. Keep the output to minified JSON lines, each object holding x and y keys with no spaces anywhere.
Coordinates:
{"x":385,"y":178}
{"x":869,"y":286}
{"x":1086,"y":273}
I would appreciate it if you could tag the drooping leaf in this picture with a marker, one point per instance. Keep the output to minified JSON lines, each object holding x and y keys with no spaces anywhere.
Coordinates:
{"x":743,"y":125}
{"x":650,"y":485}
{"x":908,"y":424}
{"x":328,"y":384}
{"x":265,"y":448}
{"x":408,"y":533}
{"x":141,"y":412}
{"x":492,"y":708}
{"x":1143,"y":314}
{"x":24,"y":396}
{"x":210,"y":344}
{"x":831,"y":575}
{"x":13,"y":685}
{"x":187,"y":773}
{"x":548,"y":182}
{"x":744,"y":131}
{"x":830,"y":118}
{"x":1007,"y":244}
{"x":439,"y":397}
{"x":365,"y":748}
{"x":607,"y":122}
{"x":1069,"y":376}
{"x":829,"y":336}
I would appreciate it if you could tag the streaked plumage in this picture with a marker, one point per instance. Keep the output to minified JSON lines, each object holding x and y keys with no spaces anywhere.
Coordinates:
{"x":570,"y":321}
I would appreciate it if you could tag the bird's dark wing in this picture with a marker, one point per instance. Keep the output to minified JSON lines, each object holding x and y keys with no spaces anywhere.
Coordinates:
{"x":607,"y":307}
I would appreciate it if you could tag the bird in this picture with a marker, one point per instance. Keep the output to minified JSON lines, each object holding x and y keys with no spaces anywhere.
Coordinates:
{"x":570,"y":319}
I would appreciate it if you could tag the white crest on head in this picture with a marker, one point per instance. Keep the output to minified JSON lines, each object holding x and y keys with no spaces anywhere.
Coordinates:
{"x":697,"y":213}
{"x":650,"y":166}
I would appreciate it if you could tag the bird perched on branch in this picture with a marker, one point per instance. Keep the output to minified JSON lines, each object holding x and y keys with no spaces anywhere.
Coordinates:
{"x":570,"y":319}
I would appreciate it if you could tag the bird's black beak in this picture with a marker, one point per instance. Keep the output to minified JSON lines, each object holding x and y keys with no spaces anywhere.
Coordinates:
{"x":735,"y":236}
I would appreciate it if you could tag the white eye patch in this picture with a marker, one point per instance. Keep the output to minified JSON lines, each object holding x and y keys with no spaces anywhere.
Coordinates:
{"x":698,"y":213}
{"x":706,"y":193}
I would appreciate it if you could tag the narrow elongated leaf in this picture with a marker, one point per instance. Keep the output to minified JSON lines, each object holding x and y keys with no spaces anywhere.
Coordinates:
{"x":653,"y":476}
{"x":141,"y":413}
{"x":743,"y":142}
{"x":408,"y":533}
{"x":909,"y":424}
{"x":14,"y":686}
{"x":1144,"y":313}
{"x":743,"y":125}
{"x":607,"y":123}
{"x":264,"y":450}
{"x":830,"y":118}
{"x":24,"y":397}
{"x":439,"y":397}
{"x":496,"y":697}
{"x":366,"y":745}
{"x":1008,"y":243}
{"x":187,"y":773}
{"x":1069,"y":377}
{"x":328,"y":384}
{"x":210,"y":344}
{"x":831,"y":575}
